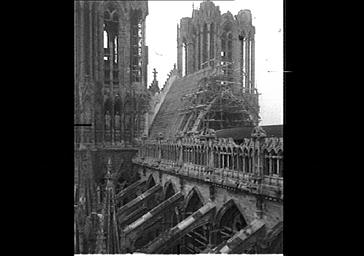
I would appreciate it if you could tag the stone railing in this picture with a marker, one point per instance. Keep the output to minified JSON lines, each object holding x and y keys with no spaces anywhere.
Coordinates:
{"x":255,"y":165}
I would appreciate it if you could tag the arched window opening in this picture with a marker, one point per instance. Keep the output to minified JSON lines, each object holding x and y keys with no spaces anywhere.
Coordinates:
{"x":227,"y":53}
{"x":184,"y":153}
{"x":204,"y":47}
{"x":251,"y":161}
{"x":111,"y":45}
{"x":231,"y":222}
{"x":230,"y":159}
{"x":151,"y":182}
{"x":250,"y":64}
{"x":246,"y":162}
{"x":162,"y":151}
{"x":223,"y":47}
{"x":184,"y":58}
{"x":196,"y":240}
{"x":266,"y":163}
{"x":212,"y":44}
{"x":280,"y":163}
{"x":216,"y":158}
{"x":193,"y":204}
{"x":169,"y":191}
{"x":106,"y":42}
{"x":240,"y":160}
{"x":115,"y":57}
{"x":203,"y":156}
{"x":223,"y":159}
{"x":274,"y":165}
{"x":235,"y":159}
{"x":136,"y":44}
{"x":106,"y":57}
{"x":229,"y":56}
{"x":245,"y":62}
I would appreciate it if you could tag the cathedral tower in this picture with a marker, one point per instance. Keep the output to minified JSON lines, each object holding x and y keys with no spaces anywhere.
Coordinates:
{"x":111,"y":61}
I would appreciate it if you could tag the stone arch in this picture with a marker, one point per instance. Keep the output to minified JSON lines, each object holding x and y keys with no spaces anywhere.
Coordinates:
{"x":229,"y":153}
{"x":150,"y":182}
{"x":227,"y":23}
{"x":170,"y":216}
{"x":112,"y":6}
{"x":235,"y":157}
{"x":240,"y":159}
{"x":169,"y":190}
{"x":216,"y":156}
{"x":274,"y":160}
{"x":280,"y":162}
{"x":194,"y":200}
{"x":251,"y":160}
{"x":184,"y":56}
{"x":266,"y":162}
{"x":205,"y":52}
{"x":229,"y":220}
{"x":246,"y":160}
{"x":224,"y":157}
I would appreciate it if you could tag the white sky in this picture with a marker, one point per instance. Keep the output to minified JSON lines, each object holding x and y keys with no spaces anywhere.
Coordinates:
{"x":161,"y":38}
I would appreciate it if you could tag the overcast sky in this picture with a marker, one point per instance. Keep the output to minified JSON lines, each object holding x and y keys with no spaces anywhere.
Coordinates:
{"x":161,"y":38}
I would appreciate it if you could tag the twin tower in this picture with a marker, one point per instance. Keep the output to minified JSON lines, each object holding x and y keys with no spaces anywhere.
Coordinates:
{"x":111,"y":59}
{"x":212,"y":39}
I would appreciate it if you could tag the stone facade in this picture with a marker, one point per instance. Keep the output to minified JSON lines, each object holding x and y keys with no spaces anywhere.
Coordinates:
{"x":111,"y":103}
{"x":111,"y":61}
{"x":212,"y":39}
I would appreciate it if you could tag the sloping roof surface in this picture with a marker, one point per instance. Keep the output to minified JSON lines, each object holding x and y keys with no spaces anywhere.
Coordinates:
{"x":245,"y":132}
{"x":168,"y":119}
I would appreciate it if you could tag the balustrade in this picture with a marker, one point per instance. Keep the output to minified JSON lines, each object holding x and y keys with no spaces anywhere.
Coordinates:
{"x":251,"y":162}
